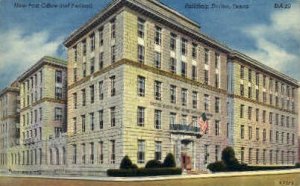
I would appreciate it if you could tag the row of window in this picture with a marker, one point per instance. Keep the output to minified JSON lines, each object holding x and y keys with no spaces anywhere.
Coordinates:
{"x":261,"y":157}
{"x":285,"y":103}
{"x":284,"y":120}
{"x":285,"y":89}
{"x":290,"y":138}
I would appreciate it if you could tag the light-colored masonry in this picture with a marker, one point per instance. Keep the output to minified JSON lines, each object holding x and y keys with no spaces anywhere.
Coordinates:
{"x":139,"y":75}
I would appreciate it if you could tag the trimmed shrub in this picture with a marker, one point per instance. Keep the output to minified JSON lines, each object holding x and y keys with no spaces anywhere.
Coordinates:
{"x":143,"y":172}
{"x":153,"y":164}
{"x":134,"y":166}
{"x":126,"y":163}
{"x":218,"y":166}
{"x":169,"y":161}
{"x":228,"y":155}
{"x":297,"y":165}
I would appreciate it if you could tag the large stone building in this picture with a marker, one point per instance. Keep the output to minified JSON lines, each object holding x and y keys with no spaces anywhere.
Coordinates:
{"x":139,"y":76}
{"x":9,"y":121}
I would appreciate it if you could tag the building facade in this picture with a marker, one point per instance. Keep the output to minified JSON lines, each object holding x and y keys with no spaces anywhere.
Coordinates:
{"x":139,"y":76}
{"x":9,"y":121}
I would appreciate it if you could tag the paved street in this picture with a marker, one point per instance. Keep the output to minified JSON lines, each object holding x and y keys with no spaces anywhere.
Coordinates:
{"x":263,"y":178}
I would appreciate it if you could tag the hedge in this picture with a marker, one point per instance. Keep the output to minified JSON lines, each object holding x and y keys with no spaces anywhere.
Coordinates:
{"x":143,"y":172}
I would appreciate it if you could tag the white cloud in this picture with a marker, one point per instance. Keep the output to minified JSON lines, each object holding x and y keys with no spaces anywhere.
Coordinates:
{"x":278,"y":43}
{"x":19,"y":51}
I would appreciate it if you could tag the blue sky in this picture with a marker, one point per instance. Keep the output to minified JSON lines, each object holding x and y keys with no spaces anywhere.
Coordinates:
{"x":263,"y":32}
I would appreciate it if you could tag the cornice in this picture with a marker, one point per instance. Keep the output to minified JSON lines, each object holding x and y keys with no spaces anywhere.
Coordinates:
{"x":51,"y":100}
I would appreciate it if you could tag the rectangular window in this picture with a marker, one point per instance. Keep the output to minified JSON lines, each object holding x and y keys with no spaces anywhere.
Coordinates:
{"x":41,"y":113}
{"x":75,"y":53}
{"x":257,"y":156}
{"x":242,"y":72}
{"x":112,"y":86}
{"x":84,"y":69}
{"x":113,"y":28}
{"x":242,"y":111}
{"x":75,"y":74}
{"x":195,"y":99}
{"x":141,"y":116}
{"x":101,"y":119}
{"x":242,"y":131}
{"x":173,"y":94}
{"x":217,"y":127}
{"x":157,"y":119}
{"x":242,"y":154}
{"x":113,"y":116}
{"x":270,"y":117}
{"x":271,"y":135}
{"x":249,"y":75}
{"x":217,"y":60}
{"x":83,"y":97}
{"x":74,"y":125}
{"x":141,"y":28}
{"x":157,"y":38}
{"x":113,"y":54}
{"x":141,"y":151}
{"x":242,"y":89}
{"x":173,"y":41}
{"x":257,"y":78}
{"x":92,"y":122}
{"x":217,"y":152}
{"x":92,"y":152}
{"x":92,"y":93}
{"x":58,"y":114}
{"x":74,"y":159}
{"x":158,"y":150}
{"x":217,"y":105}
{"x":257,"y":94}
{"x":141,"y":86}
{"x":206,"y":56}
{"x":92,"y":65}
{"x":250,"y":132}
{"x":194,"y":72}
{"x":249,"y":113}
{"x":264,"y":97}
{"x":157,"y":90}
{"x":194,"y":51}
{"x":84,"y":47}
{"x":141,"y":53}
{"x":83,"y":123}
{"x":184,"y":97}
{"x":257,"y":134}
{"x":58,"y":93}
{"x":92,"y":42}
{"x":173,"y":65}
{"x":206,"y":102}
{"x":183,"y":69}
{"x":206,"y":154}
{"x":157,"y":60}
{"x":206,"y":77}
{"x":250,"y":92}
{"x":75,"y":100}
{"x":264,"y":116}
{"x":183,"y":46}
{"x":113,"y":151}
{"x":58,"y":76}
{"x":101,"y":90}
{"x":257,"y":114}
{"x":101,"y":36}
{"x":101,"y":154}
{"x":172,"y":118}
{"x":264,"y":81}
{"x":264,"y":135}
{"x":217,"y":80}
{"x":101,"y":54}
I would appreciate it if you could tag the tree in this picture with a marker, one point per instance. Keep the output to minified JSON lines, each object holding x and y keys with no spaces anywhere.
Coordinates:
{"x":228,"y":157}
{"x":169,"y":161}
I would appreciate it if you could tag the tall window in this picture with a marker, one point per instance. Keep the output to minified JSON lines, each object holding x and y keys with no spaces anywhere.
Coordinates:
{"x":183,"y":69}
{"x":242,"y":111}
{"x":92,"y":42}
{"x":249,"y":113}
{"x":206,"y":102}
{"x":172,"y":93}
{"x":58,"y":93}
{"x":206,"y":56}
{"x":257,"y":78}
{"x":249,"y":92}
{"x":183,"y":46}
{"x":242,"y":89}
{"x":257,"y":134}
{"x":184,"y":97}
{"x":141,"y":116}
{"x":250,"y":132}
{"x":194,"y":51}
{"x":74,"y":125}
{"x":217,"y":127}
{"x":83,"y":153}
{"x":172,"y":118}
{"x":249,"y":75}
{"x":58,"y":76}
{"x":92,"y":152}
{"x":83,"y":123}
{"x":112,"y":86}
{"x":206,"y":154}
{"x":74,"y":75}
{"x":113,"y":54}
{"x":92,"y":65}
{"x":173,"y":65}
{"x":173,"y":41}
{"x":217,"y":105}
{"x":157,"y":119}
{"x":101,"y":36}
{"x":92,"y":123}
{"x":113,"y":28}
{"x":92,"y":93}
{"x":141,"y":53}
{"x":217,"y":152}
{"x":74,"y":159}
{"x":242,"y":154}
{"x":113,"y":116}
{"x":242,"y":131}
{"x":194,"y":72}
{"x":141,"y":151}
{"x":58,"y":114}
{"x":83,"y":97}
{"x":100,"y":160}
{"x":84,"y":47}
{"x":264,"y":135}
{"x":141,"y":28}
{"x":157,"y":38}
{"x":75,"y":100}
{"x":101,"y":119}
{"x":195,"y":99}
{"x":206,"y":77}
{"x":84,"y":69}
{"x":242,"y":73}
{"x":75,"y":53}
{"x":113,"y":151}
{"x":158,"y":150}
{"x":101,"y":54}
{"x":157,"y":90}
{"x":257,"y":115}
{"x":141,"y":86}
{"x":101,"y":90}
{"x":157,"y":60}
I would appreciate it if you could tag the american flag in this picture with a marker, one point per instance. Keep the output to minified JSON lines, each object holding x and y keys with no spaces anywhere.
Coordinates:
{"x":203,"y":123}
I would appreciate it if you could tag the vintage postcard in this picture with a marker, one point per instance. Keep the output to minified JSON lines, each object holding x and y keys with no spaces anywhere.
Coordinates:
{"x":149,"y":92}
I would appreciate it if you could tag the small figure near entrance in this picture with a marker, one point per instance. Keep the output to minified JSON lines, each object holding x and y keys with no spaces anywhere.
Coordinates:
{"x":186,"y":162}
